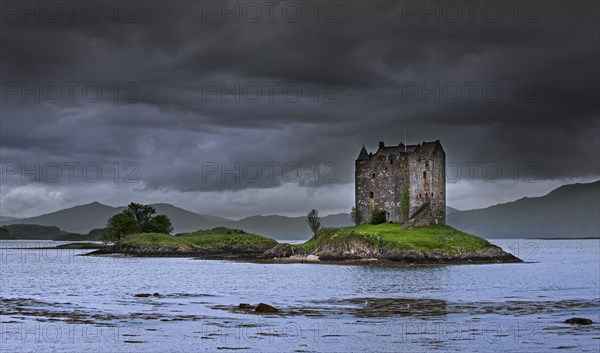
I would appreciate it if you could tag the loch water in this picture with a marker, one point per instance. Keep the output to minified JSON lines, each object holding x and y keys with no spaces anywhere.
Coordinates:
{"x":57,"y":301}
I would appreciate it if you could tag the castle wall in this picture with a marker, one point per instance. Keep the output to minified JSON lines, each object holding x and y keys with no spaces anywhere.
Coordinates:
{"x":417,"y":183}
{"x":438,"y":205}
{"x":362,"y":187}
{"x":428,"y":183}
{"x":384,"y":177}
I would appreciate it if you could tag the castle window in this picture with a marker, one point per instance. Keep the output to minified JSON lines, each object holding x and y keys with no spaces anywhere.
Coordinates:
{"x":373,"y":176}
{"x":424,"y":175}
{"x":371,"y":194}
{"x":391,"y":161}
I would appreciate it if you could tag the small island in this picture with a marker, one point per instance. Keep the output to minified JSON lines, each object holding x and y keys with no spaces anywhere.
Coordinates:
{"x":399,"y":212}
{"x":385,"y":243}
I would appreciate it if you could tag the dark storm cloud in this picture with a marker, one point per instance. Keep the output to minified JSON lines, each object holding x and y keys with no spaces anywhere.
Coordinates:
{"x":367,"y":64}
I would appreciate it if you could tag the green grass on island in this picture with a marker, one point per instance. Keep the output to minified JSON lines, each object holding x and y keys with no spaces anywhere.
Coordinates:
{"x":393,"y":236}
{"x":214,"y":239}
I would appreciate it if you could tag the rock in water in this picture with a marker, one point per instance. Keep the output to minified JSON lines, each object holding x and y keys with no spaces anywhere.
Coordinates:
{"x":265,"y":308}
{"x":245,"y":306}
{"x":578,"y":321}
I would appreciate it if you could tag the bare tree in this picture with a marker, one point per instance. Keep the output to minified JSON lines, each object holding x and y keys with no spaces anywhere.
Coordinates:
{"x":314,"y":221}
{"x":353,"y":215}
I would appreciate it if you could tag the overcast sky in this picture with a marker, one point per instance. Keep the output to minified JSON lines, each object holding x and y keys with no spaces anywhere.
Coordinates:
{"x":240,"y":108}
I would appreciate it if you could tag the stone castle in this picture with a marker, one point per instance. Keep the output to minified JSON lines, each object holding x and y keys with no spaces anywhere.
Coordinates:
{"x":382,"y":178}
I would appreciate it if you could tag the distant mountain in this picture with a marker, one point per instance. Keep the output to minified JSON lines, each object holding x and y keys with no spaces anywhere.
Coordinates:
{"x":4,"y":234}
{"x":78,"y":219}
{"x":83,"y":218}
{"x":6,"y":218}
{"x":187,"y":221}
{"x":451,"y":210}
{"x":568,"y":211}
{"x":288,"y":228}
{"x":32,"y":231}
{"x":93,"y":235}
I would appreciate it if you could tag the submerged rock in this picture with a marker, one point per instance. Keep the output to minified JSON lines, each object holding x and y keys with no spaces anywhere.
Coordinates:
{"x":578,"y":321}
{"x":388,"y":307}
{"x":265,"y":308}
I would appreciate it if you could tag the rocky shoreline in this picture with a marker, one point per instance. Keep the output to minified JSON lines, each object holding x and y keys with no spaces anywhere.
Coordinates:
{"x":351,"y":252}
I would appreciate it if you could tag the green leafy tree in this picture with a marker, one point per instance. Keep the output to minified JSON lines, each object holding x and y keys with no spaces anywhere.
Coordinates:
{"x":119,"y":226}
{"x":137,"y":218}
{"x":141,"y":213}
{"x":378,"y":217}
{"x":405,"y":203}
{"x":314,"y":221}
{"x":158,"y":224}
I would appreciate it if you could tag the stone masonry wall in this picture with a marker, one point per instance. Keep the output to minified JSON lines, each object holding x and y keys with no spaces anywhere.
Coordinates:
{"x":385,"y":178}
{"x":380,"y":179}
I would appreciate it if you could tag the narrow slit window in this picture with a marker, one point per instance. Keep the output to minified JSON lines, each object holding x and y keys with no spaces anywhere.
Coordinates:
{"x":371,"y":194}
{"x":424,"y":175}
{"x":373,"y":176}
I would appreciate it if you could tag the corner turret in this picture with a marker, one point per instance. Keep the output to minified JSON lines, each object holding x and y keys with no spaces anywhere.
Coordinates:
{"x":363,"y":155}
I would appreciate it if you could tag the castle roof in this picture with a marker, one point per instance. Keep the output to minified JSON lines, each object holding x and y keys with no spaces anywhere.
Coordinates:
{"x":363,"y":155}
{"x":428,"y":147}
{"x":394,"y":150}
{"x":386,"y":151}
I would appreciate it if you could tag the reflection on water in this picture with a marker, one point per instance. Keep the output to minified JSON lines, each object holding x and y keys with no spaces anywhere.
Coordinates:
{"x":57,"y":300}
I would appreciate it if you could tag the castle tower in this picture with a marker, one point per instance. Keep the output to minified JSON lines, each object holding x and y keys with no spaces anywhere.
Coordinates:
{"x":382,"y":179}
